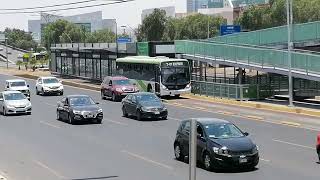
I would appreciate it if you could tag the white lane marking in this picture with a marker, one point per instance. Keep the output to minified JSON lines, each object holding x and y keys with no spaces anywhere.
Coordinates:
{"x":49,"y":124}
{"x":148,"y":160}
{"x":49,"y":169}
{"x":293,"y":144}
{"x":53,"y":105}
{"x":175,"y":119}
{"x":265,"y":160}
{"x":117,"y":122}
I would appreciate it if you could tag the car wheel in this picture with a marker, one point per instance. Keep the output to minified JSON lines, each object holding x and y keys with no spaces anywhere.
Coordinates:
{"x":58,"y":116}
{"x":124,"y":112}
{"x":42,"y":92}
{"x":4,"y":112}
{"x":102,"y":96}
{"x":178,"y":152}
{"x":29,"y":113}
{"x":164,"y":118}
{"x":114,"y":97}
{"x":37,"y":92}
{"x":207,"y":161}
{"x":61,"y":94}
{"x":177,"y":96}
{"x":139,"y":118}
{"x":71,"y":121}
{"x":99,"y":121}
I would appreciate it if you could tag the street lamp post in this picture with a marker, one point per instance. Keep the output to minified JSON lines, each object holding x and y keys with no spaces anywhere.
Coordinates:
{"x":6,"y":40}
{"x":290,"y":46}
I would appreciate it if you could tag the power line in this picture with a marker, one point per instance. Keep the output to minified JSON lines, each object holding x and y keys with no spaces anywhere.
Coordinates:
{"x":51,"y":6}
{"x":65,"y":9}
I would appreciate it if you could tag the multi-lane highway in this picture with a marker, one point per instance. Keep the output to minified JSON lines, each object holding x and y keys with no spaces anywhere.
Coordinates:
{"x":39,"y":147}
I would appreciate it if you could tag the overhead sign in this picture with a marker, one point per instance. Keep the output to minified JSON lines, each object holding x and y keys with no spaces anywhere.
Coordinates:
{"x":2,"y":37}
{"x":165,"y":49}
{"x":124,"y":40}
{"x":229,"y":29}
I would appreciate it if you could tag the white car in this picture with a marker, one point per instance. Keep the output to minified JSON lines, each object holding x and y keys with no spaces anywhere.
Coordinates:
{"x":18,"y":85}
{"x":49,"y":85}
{"x":14,"y":102}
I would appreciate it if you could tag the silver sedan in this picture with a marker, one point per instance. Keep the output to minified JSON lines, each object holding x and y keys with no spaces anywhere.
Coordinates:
{"x":14,"y":102}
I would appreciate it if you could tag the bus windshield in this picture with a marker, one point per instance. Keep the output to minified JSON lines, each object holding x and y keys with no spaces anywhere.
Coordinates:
{"x":175,"y":76}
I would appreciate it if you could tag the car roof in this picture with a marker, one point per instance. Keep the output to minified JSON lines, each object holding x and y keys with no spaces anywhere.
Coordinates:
{"x":207,"y":121}
{"x":16,"y":80}
{"x":118,"y":78}
{"x":76,"y":96}
{"x":10,"y":92}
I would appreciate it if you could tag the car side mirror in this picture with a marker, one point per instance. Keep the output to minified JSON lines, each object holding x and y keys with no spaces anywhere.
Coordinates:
{"x":97,"y":103}
{"x":246,"y":134}
{"x":60,"y":81}
{"x":28,"y":85}
{"x":134,"y":84}
{"x":8,"y":87}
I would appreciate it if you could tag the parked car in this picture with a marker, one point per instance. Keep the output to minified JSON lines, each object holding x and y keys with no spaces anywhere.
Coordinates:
{"x":79,"y":108}
{"x":14,"y":102}
{"x":220,"y":144}
{"x":49,"y":85}
{"x":144,"y":105}
{"x":318,"y":146}
{"x":18,"y":85}
{"x":117,"y":87}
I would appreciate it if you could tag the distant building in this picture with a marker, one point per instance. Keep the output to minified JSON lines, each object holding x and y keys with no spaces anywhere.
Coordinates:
{"x":170,"y":12}
{"x":90,"y":22}
{"x":194,"y":5}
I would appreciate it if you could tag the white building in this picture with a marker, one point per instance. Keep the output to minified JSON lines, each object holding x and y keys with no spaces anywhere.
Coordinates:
{"x":90,"y":21}
{"x":170,"y":12}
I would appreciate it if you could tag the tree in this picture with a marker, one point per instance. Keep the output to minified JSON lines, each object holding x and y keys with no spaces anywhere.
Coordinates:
{"x":19,"y":64}
{"x":33,"y":63}
{"x":20,"y":39}
{"x":101,"y":36}
{"x":153,"y":26}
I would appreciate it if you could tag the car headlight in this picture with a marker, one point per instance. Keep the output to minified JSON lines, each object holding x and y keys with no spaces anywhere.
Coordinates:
{"x":29,"y":104}
{"x":10,"y":106}
{"x":255,"y":149}
{"x":100,"y":111}
{"x":144,"y":109}
{"x":221,"y":151}
{"x":164,"y":109}
{"x":61,"y":87}
{"x":188,"y":86}
{"x":76,"y":112}
{"x":164,"y":87}
{"x":136,"y":89}
{"x":118,"y":89}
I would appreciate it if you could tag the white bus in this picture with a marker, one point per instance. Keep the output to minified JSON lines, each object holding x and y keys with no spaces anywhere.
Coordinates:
{"x":161,"y":75}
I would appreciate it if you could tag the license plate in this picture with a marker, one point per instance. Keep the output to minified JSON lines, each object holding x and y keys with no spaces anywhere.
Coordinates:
{"x":89,"y":116}
{"x":157,"y":112}
{"x":243,"y":160}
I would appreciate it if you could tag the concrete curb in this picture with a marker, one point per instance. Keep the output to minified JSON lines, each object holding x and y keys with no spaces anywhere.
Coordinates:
{"x":255,"y":105}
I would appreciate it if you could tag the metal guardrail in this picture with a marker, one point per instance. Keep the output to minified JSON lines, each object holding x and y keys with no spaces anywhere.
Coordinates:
{"x":220,"y":90}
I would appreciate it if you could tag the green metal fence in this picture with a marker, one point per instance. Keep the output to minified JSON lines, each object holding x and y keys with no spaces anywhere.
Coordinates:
{"x":229,"y":91}
{"x":277,"y":35}
{"x":267,"y":58}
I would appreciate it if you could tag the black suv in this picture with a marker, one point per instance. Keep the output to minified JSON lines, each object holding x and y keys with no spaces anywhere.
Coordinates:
{"x":220,"y":144}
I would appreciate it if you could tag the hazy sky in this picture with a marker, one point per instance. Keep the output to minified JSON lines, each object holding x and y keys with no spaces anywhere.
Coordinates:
{"x":126,"y":13}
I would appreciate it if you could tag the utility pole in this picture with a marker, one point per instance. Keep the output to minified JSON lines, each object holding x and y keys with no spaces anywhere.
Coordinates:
{"x":290,"y":46}
{"x":193,"y":150}
{"x":6,"y":40}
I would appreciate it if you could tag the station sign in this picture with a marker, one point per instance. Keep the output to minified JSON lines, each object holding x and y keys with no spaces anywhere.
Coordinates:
{"x":229,"y":29}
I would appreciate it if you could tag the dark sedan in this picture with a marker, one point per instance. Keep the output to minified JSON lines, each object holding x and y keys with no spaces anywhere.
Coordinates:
{"x":144,"y":106}
{"x":220,"y":145}
{"x":77,"y":108}
{"x":318,"y":146}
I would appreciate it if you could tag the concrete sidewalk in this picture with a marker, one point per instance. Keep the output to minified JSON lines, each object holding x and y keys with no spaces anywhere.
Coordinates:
{"x":90,"y":85}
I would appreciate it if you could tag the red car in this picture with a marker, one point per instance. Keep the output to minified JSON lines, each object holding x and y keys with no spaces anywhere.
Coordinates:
{"x":117,"y":87}
{"x":318,"y":146}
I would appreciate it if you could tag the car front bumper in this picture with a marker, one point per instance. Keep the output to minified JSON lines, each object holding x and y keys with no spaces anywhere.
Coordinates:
{"x":175,"y":92}
{"x":234,"y":161}
{"x":80,"y":117}
{"x":18,"y":110}
{"x":53,"y":91}
{"x":153,"y":115}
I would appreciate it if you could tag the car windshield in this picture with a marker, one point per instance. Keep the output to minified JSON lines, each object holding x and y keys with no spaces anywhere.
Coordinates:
{"x":147,"y":98}
{"x":14,"y":96}
{"x":223,"y":131}
{"x":122,"y":82}
{"x":50,"y":81}
{"x":81,"y":101}
{"x":173,"y":76}
{"x":17,"y":84}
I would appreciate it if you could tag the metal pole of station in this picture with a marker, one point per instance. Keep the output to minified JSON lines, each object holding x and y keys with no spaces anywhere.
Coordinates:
{"x":193,"y":150}
{"x":6,"y":40}
{"x":289,"y":23}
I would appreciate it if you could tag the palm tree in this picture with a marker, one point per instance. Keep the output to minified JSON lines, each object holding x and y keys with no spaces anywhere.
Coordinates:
{"x":19,"y":63}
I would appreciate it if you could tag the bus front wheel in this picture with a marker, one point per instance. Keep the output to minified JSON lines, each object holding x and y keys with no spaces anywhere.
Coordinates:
{"x":149,"y":88}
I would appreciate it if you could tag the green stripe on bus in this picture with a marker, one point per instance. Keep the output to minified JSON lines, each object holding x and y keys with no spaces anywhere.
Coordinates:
{"x":142,"y":85}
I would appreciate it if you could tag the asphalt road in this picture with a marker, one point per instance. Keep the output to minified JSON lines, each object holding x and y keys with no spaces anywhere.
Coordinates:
{"x":14,"y":53}
{"x":39,"y":147}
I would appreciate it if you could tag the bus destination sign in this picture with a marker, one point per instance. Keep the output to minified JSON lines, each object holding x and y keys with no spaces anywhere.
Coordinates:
{"x":174,"y":64}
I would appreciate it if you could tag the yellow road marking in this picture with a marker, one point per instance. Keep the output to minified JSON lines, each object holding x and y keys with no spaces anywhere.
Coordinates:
{"x":49,"y":169}
{"x":226,"y":113}
{"x":147,"y":160}
{"x":255,"y":117}
{"x":293,"y":144}
{"x":49,"y":124}
{"x":289,"y":123}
